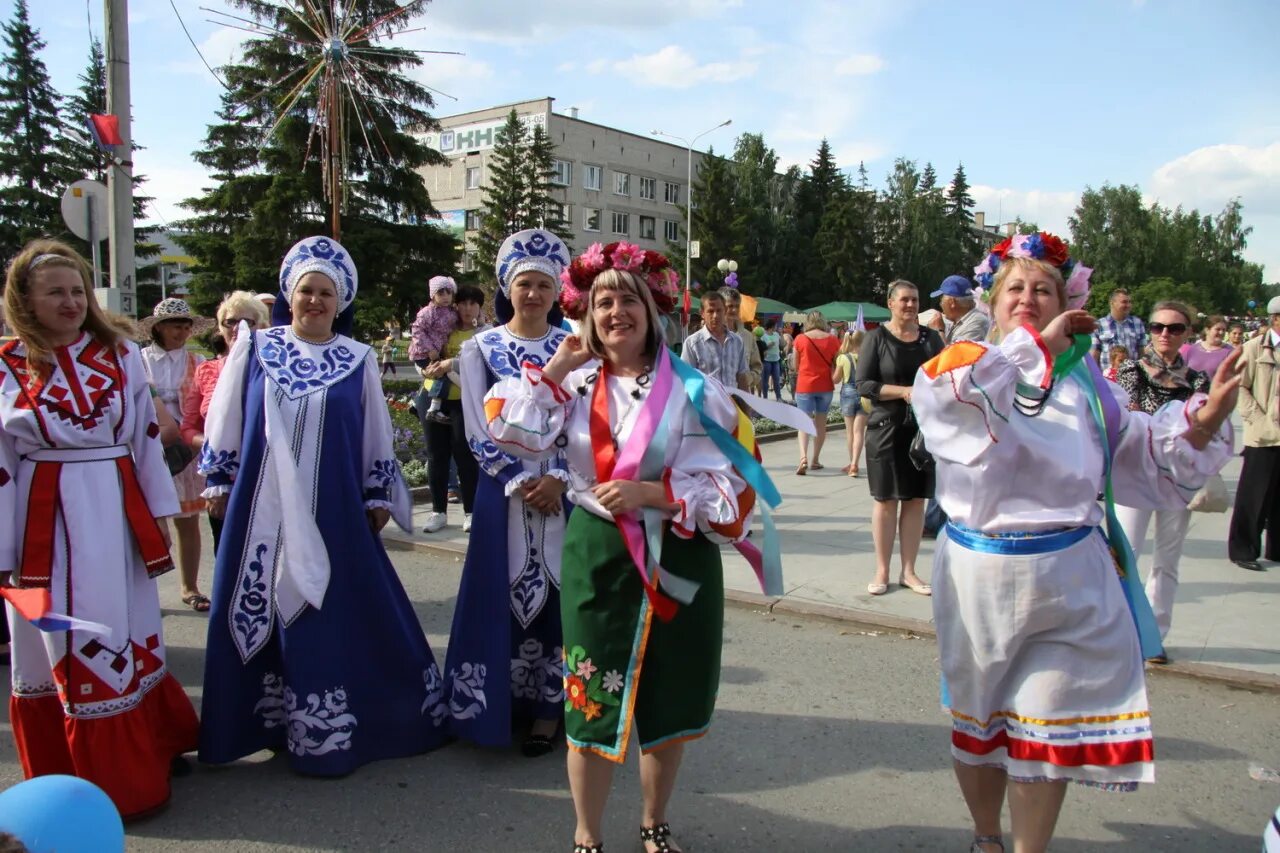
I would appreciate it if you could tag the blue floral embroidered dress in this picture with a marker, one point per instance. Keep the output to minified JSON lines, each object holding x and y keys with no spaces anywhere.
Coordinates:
{"x":313,"y":644}
{"x":505,"y":656}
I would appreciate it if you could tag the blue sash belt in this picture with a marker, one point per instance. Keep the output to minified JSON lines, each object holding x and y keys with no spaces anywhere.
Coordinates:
{"x":1016,"y":544}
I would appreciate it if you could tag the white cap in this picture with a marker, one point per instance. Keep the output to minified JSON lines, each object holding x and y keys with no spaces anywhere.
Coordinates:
{"x":1273,"y":307}
{"x":267,"y":298}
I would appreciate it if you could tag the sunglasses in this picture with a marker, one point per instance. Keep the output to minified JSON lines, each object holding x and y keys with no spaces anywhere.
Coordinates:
{"x":233,"y":322}
{"x":1171,"y":328}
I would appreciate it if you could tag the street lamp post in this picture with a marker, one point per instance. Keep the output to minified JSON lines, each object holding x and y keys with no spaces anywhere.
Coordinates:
{"x":688,"y":227}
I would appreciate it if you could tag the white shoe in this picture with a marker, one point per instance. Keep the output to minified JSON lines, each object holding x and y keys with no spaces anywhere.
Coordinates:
{"x":435,"y":521}
{"x":466,"y":522}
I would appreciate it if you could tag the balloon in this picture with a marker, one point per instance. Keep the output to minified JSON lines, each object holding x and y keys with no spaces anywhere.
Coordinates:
{"x":61,"y":814}
{"x":1253,"y":303}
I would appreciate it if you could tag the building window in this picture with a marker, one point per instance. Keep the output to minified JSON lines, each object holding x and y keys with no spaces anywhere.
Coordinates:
{"x":590,"y":218}
{"x":473,"y":220}
{"x":620,"y":222}
{"x":563,"y":173}
{"x":670,"y":193}
{"x":591,"y":177}
{"x":671,"y":230}
{"x":469,"y":262}
{"x":564,"y":212}
{"x":647,"y":226}
{"x":621,"y":183}
{"x":649,"y":188}
{"x":473,"y":177}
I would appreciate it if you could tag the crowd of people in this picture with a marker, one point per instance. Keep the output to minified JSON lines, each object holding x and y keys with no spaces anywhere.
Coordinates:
{"x":611,"y":471}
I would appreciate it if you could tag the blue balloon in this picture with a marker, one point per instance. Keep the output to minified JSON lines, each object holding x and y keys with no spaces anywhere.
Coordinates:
{"x":1253,"y":303}
{"x":63,"y":814}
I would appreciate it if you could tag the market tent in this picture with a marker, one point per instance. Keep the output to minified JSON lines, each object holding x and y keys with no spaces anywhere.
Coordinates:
{"x":848,"y":311}
{"x":771,"y":307}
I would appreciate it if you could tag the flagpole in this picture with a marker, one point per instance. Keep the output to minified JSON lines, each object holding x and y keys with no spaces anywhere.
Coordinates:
{"x":120,"y":167}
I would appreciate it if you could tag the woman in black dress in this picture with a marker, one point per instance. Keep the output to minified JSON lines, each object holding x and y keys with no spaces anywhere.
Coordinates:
{"x":887,"y":365}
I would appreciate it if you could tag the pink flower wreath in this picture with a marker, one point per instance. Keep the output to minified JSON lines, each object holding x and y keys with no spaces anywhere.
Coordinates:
{"x":652,"y":267}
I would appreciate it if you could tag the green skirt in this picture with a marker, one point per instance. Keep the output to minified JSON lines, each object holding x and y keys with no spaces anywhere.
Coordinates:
{"x":624,"y":666}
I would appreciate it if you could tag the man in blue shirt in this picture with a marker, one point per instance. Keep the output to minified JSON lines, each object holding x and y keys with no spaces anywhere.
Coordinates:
{"x":1120,"y":328}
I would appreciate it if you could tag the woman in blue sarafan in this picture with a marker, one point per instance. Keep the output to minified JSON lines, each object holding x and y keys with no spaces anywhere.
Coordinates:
{"x":313,"y":644}
{"x":505,"y":666}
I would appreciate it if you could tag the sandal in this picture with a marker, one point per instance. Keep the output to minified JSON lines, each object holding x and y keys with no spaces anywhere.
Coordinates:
{"x":853,"y":471}
{"x":588,"y":848}
{"x":657,"y":835}
{"x":536,"y":746}
{"x":985,"y":839}
{"x":919,"y":587}
{"x":817,"y":466}
{"x":197,"y":601}
{"x":803,"y":469}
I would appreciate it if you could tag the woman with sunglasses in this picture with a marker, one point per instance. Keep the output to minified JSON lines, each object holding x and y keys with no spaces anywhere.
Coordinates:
{"x":1161,"y":376}
{"x":237,"y":307}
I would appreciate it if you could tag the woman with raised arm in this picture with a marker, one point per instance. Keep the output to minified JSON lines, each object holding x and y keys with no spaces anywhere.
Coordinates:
{"x":659,"y":465}
{"x":314,"y":647}
{"x":83,"y":483}
{"x":1042,"y":623}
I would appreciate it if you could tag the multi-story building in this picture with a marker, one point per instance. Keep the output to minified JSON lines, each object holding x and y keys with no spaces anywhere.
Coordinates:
{"x":613,"y":184}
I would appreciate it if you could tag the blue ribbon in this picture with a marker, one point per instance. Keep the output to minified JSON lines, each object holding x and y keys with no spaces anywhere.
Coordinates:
{"x":749,"y":468}
{"x":1094,"y":384}
{"x":1016,"y":544}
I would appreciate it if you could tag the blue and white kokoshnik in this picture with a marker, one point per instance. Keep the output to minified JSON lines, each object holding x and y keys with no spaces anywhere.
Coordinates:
{"x":323,"y":255}
{"x":533,"y":249}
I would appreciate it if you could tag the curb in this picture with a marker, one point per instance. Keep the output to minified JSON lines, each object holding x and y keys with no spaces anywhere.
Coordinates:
{"x":855,"y":617}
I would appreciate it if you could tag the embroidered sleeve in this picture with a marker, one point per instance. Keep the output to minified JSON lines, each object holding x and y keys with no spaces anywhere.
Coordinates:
{"x":502,"y":466}
{"x":711,"y":496}
{"x":1156,"y":467}
{"x":148,"y":452}
{"x":224,"y":425}
{"x":964,"y":396}
{"x":526,"y":417}
{"x":383,"y":486}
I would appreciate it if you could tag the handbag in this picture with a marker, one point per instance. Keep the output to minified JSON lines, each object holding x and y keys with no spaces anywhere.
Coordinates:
{"x":917,"y":452}
{"x":178,"y":456}
{"x":1212,"y":497}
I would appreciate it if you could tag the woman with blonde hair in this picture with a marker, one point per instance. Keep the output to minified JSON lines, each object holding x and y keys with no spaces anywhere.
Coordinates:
{"x":83,"y":497}
{"x":815,"y":350}
{"x":1042,"y":622}
{"x":855,"y":418}
{"x":646,"y":439}
{"x":237,"y":307}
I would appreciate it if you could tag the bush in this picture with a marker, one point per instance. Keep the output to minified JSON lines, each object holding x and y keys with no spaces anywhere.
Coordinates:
{"x":401,"y":387}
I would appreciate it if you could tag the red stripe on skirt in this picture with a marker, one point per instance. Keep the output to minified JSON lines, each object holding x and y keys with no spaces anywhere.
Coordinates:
{"x":146,"y":531}
{"x":43,"y":504}
{"x":1100,"y":754}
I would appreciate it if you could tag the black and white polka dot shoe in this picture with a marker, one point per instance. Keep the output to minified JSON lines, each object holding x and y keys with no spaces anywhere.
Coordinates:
{"x":657,"y":835}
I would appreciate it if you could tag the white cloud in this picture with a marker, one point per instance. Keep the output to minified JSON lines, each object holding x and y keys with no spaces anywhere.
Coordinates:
{"x":673,"y":67}
{"x":221,"y":47}
{"x":518,"y":22}
{"x":859,"y":65}
{"x":1048,"y":209}
{"x":1209,"y":177}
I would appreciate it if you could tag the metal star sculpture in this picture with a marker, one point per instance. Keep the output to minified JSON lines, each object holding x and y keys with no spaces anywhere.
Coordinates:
{"x":334,"y":67}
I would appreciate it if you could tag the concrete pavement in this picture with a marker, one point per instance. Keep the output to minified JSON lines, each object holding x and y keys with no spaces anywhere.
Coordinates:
{"x":1223,"y":621}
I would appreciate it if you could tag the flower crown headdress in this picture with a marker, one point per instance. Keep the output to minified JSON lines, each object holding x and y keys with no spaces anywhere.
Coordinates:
{"x":1041,"y":246}
{"x":653,"y":268}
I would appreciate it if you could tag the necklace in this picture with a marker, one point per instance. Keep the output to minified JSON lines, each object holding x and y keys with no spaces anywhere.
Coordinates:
{"x":632,"y":406}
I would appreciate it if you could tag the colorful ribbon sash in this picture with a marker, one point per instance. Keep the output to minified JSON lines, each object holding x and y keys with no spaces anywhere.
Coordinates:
{"x":1015,"y":544}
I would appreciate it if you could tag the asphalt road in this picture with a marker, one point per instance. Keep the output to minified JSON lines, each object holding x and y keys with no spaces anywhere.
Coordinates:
{"x":826,"y":738}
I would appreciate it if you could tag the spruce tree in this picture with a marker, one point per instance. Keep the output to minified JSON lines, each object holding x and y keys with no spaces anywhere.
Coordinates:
{"x":545,"y":210}
{"x":385,"y":200}
{"x":712,"y":196}
{"x":960,"y":215}
{"x":506,"y":194}
{"x":33,"y":166}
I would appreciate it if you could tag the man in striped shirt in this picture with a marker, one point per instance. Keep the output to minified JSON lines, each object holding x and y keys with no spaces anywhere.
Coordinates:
{"x":714,"y":349}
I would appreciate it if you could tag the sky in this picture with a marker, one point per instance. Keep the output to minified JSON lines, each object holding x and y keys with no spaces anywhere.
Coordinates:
{"x":1037,"y":100}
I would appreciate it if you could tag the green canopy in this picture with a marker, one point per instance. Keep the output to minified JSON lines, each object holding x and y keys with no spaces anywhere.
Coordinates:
{"x":764,"y":305}
{"x":848,"y":311}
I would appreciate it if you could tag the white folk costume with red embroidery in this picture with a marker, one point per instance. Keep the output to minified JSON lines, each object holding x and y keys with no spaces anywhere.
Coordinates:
{"x":172,"y":373}
{"x":82,"y":480}
{"x":1038,"y":648}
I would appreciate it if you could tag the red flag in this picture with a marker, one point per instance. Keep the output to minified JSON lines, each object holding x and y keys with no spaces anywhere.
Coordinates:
{"x":105,"y":131}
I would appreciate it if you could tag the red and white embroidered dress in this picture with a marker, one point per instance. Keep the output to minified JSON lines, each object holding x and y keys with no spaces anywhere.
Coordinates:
{"x":82,"y":480}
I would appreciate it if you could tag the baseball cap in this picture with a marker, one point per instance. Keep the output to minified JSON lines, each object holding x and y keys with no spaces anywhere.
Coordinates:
{"x":1273,"y":307}
{"x":955,"y":285}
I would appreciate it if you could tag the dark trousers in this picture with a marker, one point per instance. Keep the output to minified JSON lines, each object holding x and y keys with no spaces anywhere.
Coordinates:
{"x":446,"y":442}
{"x":215,"y":527}
{"x":1257,"y":506}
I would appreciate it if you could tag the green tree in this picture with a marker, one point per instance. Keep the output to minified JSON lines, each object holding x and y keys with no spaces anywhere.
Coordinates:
{"x":33,"y":165}
{"x":545,"y":209}
{"x":385,"y":198}
{"x":960,"y":218}
{"x":506,"y":193}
